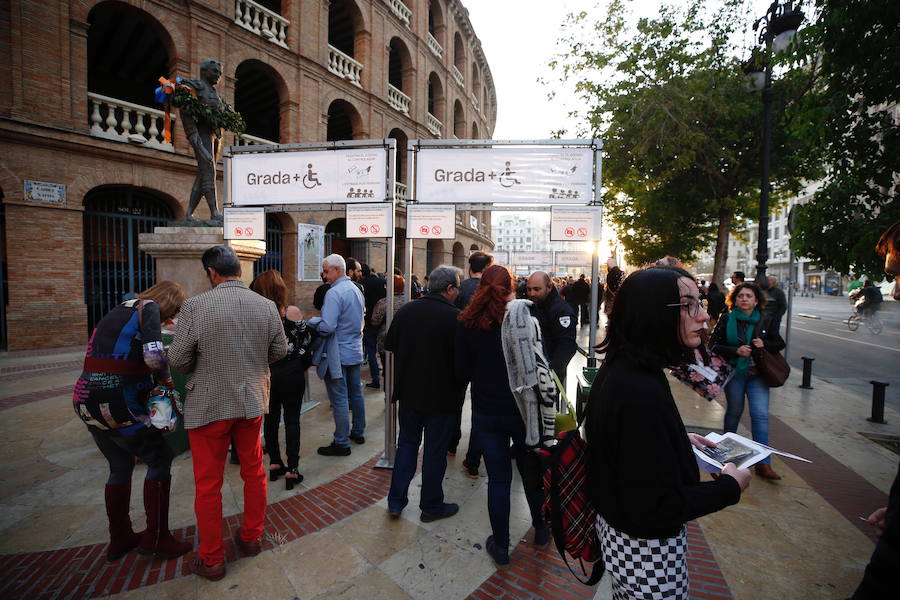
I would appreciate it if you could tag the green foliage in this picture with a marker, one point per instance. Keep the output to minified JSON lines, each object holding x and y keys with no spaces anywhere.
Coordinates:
{"x":853,"y":119}
{"x":682,"y":137}
{"x":218,"y":117}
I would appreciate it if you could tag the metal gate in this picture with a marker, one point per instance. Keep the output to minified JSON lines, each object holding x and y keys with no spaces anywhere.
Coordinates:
{"x":274,"y":257}
{"x":114,"y":267}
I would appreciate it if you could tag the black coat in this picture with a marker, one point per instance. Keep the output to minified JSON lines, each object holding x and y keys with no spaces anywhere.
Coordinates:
{"x":374,"y":289}
{"x":422,"y":336}
{"x":718,"y":341}
{"x":558,"y":322}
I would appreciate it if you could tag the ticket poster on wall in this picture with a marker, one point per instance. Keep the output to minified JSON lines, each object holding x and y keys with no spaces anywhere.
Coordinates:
{"x":514,"y":175}
{"x":308,"y":177}
{"x":431,"y":222}
{"x":533,"y":259}
{"x":310,"y":251}
{"x":572,"y":259}
{"x":574,"y":223}
{"x":370,"y":220}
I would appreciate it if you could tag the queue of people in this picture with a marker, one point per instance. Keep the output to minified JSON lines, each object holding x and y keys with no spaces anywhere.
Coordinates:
{"x":247,"y":351}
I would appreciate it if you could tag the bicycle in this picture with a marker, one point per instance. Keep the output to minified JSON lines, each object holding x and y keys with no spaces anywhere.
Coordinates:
{"x":872,"y":322}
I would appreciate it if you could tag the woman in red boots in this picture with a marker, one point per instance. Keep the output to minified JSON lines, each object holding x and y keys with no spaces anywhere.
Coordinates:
{"x":125,"y":360}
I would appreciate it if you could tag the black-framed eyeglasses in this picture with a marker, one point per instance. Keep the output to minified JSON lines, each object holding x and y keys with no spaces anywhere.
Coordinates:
{"x":693,"y":306}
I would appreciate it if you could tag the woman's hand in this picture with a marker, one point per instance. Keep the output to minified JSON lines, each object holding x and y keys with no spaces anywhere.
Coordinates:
{"x":742,"y":476}
{"x":743,"y":350}
{"x":878,"y":520}
{"x":757,"y":342}
{"x":699,"y":442}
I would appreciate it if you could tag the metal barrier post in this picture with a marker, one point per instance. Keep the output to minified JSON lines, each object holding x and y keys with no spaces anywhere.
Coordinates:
{"x":807,"y":373}
{"x":878,"y":401}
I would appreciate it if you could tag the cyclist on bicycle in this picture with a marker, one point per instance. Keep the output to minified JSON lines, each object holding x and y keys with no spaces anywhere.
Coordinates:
{"x":867,"y":299}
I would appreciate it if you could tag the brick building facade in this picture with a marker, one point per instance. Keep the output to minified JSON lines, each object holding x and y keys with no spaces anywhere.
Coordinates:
{"x":78,"y":118}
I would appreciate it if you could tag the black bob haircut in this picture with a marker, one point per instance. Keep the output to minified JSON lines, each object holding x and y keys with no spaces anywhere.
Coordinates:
{"x":641,"y":327}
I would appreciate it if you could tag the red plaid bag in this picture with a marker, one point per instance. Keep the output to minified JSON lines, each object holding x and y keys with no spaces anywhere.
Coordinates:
{"x":568,"y":509}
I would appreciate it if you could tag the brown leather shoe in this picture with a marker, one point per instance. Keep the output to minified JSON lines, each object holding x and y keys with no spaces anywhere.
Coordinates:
{"x":247,"y":548}
{"x":201,"y":569}
{"x":767,"y":472}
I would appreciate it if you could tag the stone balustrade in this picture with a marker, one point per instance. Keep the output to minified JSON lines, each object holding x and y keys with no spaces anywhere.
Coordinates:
{"x":456,"y":75}
{"x":401,"y":191}
{"x":433,"y":125}
{"x":261,"y":21}
{"x":252,"y":140}
{"x":344,"y":66}
{"x":434,"y":46}
{"x":115,"y":119}
{"x":398,"y":100}
{"x":400,"y":10}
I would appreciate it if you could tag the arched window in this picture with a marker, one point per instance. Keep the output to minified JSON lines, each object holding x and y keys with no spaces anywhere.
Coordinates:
{"x":127,"y":51}
{"x":459,"y":256}
{"x":114,"y":266}
{"x":400,"y":163}
{"x":459,"y":120}
{"x":434,"y":255}
{"x":436,"y":21}
{"x":343,"y":121}
{"x":256,"y":98}
{"x":435,"y":96}
{"x":459,"y":53}
{"x":475,"y":135}
{"x":476,"y":80}
{"x":343,"y":24}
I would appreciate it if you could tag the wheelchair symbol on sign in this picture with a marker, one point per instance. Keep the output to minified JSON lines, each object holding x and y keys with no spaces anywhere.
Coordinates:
{"x":311,"y":179}
{"x":506,"y":178}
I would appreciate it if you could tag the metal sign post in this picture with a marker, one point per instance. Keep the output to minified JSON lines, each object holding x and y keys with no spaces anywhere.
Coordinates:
{"x":318,"y":176}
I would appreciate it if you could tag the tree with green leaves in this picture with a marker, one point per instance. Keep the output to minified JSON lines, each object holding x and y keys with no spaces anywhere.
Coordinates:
{"x":854,"y":119}
{"x":682,"y":136}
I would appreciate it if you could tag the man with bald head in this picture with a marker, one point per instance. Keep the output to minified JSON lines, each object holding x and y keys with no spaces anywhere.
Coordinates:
{"x":557,"y":320}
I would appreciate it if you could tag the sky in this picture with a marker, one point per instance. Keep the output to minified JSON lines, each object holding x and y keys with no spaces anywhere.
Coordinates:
{"x":519,"y":39}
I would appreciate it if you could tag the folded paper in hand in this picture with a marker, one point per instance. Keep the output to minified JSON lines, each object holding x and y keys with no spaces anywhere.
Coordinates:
{"x":734,"y":448}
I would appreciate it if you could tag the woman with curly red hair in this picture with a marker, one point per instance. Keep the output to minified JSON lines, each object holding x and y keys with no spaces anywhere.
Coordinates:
{"x":495,"y":415}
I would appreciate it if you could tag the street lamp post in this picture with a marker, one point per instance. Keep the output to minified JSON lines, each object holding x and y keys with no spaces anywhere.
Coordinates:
{"x":779,"y":25}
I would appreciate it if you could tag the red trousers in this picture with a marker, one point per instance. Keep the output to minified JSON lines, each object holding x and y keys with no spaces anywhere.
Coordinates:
{"x":209,"y":449}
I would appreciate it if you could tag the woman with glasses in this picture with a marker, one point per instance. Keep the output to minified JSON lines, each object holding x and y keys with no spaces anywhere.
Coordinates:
{"x":738,"y":331}
{"x":642,"y":474}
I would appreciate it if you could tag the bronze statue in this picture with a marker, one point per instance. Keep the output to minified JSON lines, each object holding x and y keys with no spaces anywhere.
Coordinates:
{"x":206,"y":141}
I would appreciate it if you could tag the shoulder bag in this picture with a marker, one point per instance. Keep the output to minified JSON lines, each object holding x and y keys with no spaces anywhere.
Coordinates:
{"x":772,"y":366}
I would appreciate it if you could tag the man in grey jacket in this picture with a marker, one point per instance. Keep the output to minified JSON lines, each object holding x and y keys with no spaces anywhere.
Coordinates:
{"x":225,"y":340}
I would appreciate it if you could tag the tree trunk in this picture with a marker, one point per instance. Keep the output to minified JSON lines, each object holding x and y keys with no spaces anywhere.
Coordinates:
{"x":726,"y":216}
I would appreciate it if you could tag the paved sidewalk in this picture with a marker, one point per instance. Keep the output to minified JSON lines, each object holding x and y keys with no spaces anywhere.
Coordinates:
{"x":331,"y":537}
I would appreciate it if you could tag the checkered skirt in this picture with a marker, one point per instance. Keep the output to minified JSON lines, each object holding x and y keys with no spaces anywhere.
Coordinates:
{"x":644,"y":569}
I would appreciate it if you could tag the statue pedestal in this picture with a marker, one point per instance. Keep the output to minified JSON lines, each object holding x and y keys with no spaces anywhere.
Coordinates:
{"x":178,"y":250}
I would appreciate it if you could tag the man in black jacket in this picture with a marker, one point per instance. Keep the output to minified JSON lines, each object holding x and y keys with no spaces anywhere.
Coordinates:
{"x":557,"y":322}
{"x":374,"y":289}
{"x":478,"y":262}
{"x":580,"y":296}
{"x":421,"y":336}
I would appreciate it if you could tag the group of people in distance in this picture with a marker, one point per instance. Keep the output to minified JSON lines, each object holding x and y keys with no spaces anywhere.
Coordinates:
{"x":246,"y":351}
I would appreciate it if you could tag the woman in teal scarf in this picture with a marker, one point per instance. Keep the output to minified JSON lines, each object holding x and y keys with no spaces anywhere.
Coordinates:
{"x":734,"y":337}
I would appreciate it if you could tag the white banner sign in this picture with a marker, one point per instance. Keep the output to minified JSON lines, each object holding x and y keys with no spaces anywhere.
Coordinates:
{"x":355,"y":175}
{"x":516,"y":175}
{"x":531,"y":259}
{"x":244,"y":224}
{"x":501,"y":257}
{"x":370,"y":220}
{"x":574,"y":224}
{"x":310,"y":251}
{"x":432,"y":222}
{"x":572,"y":259}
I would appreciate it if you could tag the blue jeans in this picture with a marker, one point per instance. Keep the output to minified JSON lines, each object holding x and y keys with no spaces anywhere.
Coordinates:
{"x":494,"y":434}
{"x":438,"y":428}
{"x":755,"y":390}
{"x":370,"y":348}
{"x":346,"y":396}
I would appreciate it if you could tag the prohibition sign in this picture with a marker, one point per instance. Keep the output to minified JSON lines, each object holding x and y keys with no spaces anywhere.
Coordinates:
{"x":570,"y":231}
{"x":363,"y":229}
{"x":374,"y":228}
{"x":582,"y":232}
{"x":436,"y":230}
{"x":238,"y":231}
{"x":424,"y":229}
{"x":248,"y":231}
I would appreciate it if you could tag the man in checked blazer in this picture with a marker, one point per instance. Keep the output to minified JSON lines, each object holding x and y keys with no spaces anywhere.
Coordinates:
{"x":225,"y":339}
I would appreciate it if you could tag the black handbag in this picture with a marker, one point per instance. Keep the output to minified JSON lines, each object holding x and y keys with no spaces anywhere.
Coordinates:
{"x":772,"y":366}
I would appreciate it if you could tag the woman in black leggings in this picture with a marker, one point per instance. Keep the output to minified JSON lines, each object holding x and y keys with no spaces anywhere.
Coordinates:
{"x":288,"y":382}
{"x":124,"y":361}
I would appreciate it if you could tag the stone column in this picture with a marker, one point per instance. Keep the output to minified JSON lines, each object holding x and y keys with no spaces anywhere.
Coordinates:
{"x":178,"y":250}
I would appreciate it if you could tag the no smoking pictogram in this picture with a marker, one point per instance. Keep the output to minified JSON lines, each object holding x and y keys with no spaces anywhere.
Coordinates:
{"x":363,"y":229}
{"x":570,"y":231}
{"x":436,"y":230}
{"x":582,"y":232}
{"x":374,"y":228}
{"x":248,"y":231}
